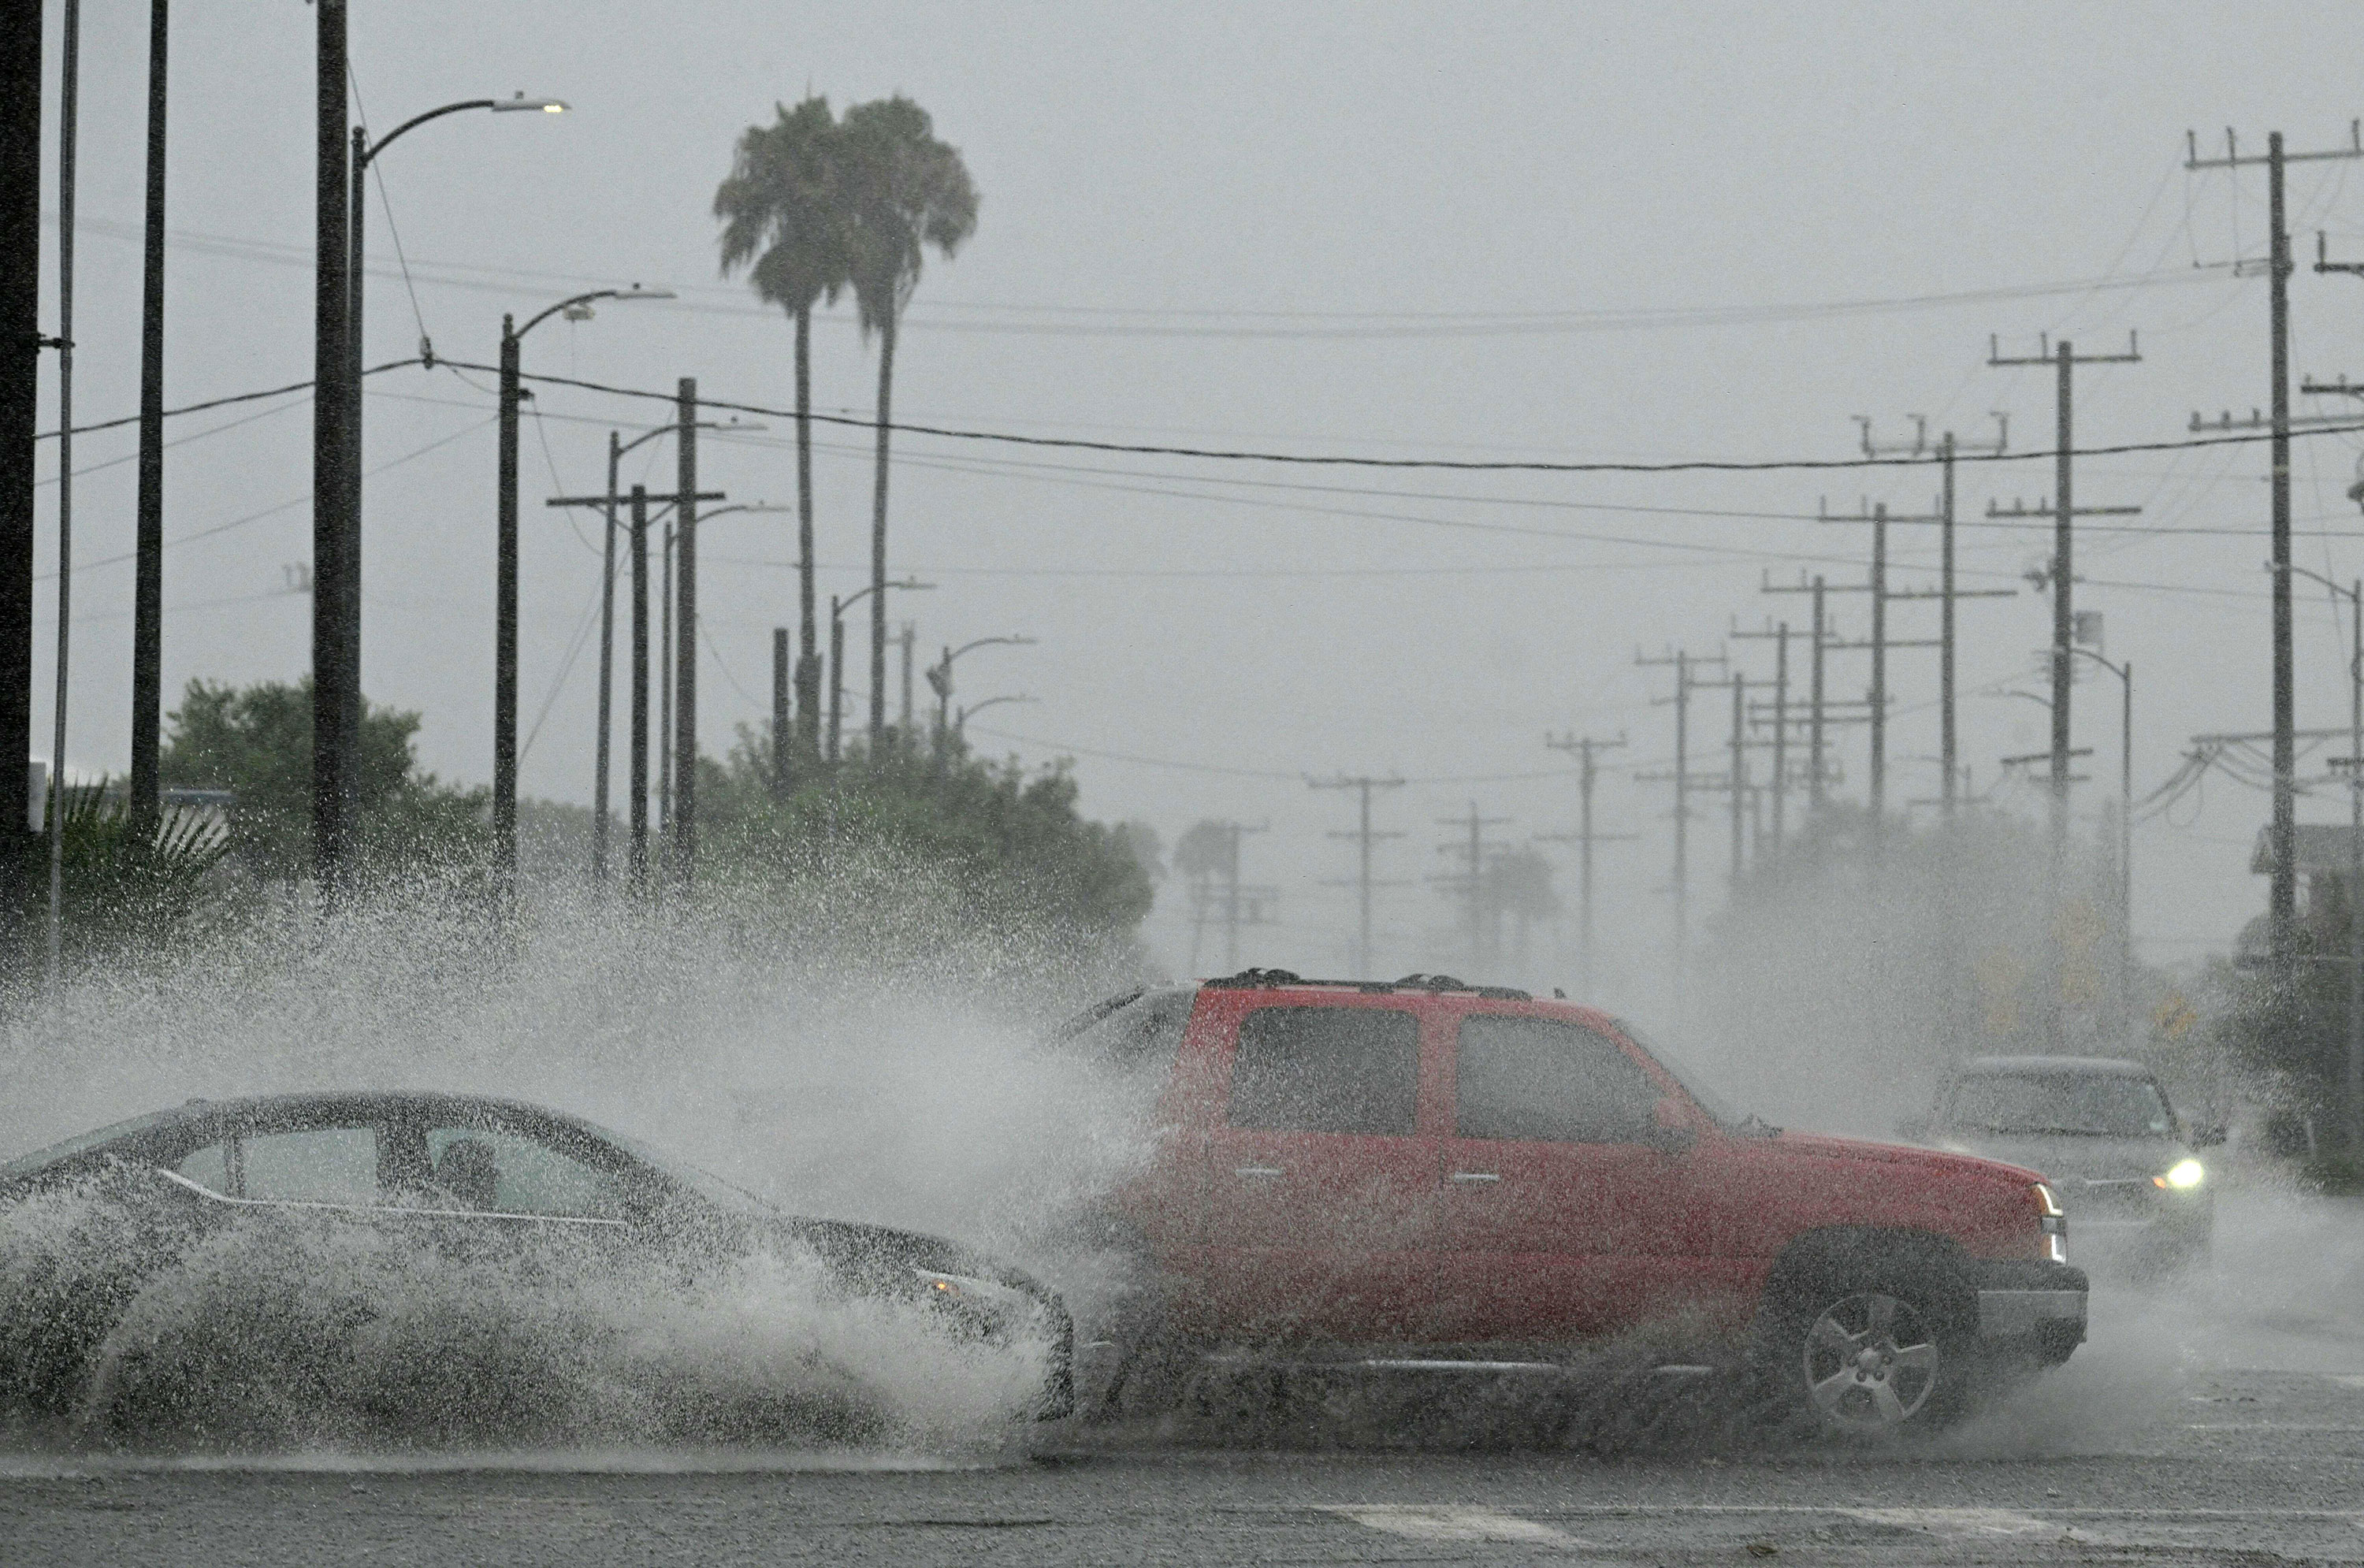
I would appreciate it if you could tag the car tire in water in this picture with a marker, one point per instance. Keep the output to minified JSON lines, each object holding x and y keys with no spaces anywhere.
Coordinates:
{"x":1874,"y":1355}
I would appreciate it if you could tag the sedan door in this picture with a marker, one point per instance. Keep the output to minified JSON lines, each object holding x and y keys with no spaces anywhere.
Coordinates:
{"x":1322,"y":1185}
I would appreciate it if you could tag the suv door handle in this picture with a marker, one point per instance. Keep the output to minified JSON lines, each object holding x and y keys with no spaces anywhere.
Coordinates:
{"x":1477,"y":1176}
{"x":1257,"y":1171}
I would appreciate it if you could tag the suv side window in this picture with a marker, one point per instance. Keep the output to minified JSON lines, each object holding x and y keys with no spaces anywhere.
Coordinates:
{"x":1545,"y":1080}
{"x":1327,"y":1070}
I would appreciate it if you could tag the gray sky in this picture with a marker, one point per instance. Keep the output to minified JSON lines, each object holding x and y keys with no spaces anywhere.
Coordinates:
{"x":1391,"y":231}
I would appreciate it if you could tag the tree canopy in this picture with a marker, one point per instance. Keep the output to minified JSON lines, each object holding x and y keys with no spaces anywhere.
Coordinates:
{"x":256,"y":743}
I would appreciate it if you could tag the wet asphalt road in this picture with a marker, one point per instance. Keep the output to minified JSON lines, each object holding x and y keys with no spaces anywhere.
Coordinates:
{"x":2218,"y":1420}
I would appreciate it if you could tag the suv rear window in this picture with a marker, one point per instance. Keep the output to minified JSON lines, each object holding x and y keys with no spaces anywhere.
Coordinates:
{"x":1327,"y":1070}
{"x":1539,"y":1079}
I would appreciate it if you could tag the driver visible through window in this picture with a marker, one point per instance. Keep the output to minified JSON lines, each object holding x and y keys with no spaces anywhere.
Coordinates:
{"x":2061,"y":1102}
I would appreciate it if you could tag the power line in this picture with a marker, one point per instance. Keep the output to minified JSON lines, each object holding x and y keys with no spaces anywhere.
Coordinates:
{"x":1457,"y":465}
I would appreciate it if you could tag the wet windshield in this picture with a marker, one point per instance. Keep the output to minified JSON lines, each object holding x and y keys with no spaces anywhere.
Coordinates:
{"x":2077,"y":1103}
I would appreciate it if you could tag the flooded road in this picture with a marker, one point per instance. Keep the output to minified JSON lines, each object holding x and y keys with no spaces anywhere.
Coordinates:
{"x":2217,"y":1418}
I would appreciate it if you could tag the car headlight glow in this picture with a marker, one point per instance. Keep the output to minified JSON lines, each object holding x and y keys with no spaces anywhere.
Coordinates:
{"x":2183,"y":1176}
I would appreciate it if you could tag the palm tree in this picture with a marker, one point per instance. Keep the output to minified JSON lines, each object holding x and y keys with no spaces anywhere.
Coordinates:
{"x":783,"y":208}
{"x":906,"y":191}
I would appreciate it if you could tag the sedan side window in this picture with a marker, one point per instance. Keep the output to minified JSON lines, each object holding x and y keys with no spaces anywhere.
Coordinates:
{"x":1541,"y":1080}
{"x":313,"y":1164}
{"x":1327,"y":1070}
{"x":210,"y":1168}
{"x":505,"y":1173}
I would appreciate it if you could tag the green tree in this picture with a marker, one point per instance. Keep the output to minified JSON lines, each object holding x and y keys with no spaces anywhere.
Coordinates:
{"x":783,"y":210}
{"x":128,"y":882}
{"x":1011,"y":843}
{"x":257,"y":743}
{"x":905,"y":191}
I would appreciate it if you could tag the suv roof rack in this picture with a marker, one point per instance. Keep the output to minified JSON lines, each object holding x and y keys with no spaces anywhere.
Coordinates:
{"x":1250,"y":979}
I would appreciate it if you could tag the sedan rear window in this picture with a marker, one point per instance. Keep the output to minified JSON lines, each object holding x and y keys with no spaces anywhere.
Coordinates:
{"x":1327,"y":1070}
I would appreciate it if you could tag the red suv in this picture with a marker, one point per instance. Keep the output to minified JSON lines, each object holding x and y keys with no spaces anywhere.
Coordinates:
{"x":1451,"y":1170}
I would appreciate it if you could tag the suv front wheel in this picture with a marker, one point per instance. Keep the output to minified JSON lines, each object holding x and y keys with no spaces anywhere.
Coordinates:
{"x":1870,"y":1357}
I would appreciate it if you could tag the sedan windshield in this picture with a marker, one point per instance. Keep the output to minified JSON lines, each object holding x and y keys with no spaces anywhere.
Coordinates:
{"x":2077,"y":1102}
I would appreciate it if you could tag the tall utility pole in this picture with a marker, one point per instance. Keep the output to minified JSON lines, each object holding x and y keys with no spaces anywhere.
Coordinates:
{"x":683,"y":823}
{"x":1472,"y":849}
{"x":907,"y":639}
{"x":1232,"y":833}
{"x":1365,"y":837}
{"x":21,"y":351}
{"x":606,"y":505}
{"x":2281,"y":910}
{"x":1586,"y":750}
{"x":1779,"y":636}
{"x":780,"y":742}
{"x":639,"y":746}
{"x":1822,"y":710}
{"x":1684,"y":663}
{"x":148,"y":581}
{"x":332,"y":768}
{"x":2064,"y":358}
{"x":1948,"y":447}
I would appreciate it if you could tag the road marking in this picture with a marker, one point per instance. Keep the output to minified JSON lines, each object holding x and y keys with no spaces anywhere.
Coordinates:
{"x":2349,"y":1379}
{"x":1422,"y":1522}
{"x":1960,"y":1522}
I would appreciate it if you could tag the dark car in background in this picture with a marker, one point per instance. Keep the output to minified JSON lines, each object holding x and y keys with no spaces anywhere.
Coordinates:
{"x":495,"y":1181}
{"x":2104,"y":1135}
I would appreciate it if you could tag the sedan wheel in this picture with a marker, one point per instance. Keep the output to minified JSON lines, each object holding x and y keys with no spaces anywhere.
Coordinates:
{"x":1871,"y":1362}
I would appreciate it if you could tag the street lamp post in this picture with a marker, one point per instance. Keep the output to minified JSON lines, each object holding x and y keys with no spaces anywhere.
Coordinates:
{"x":940,"y":677}
{"x":2353,"y":763}
{"x":2126,"y":674}
{"x":959,"y":720}
{"x":837,"y":608}
{"x":344,"y":589}
{"x":505,"y":587}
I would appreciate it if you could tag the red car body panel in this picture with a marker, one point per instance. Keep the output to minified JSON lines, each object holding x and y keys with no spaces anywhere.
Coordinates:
{"x":1426,"y":1236}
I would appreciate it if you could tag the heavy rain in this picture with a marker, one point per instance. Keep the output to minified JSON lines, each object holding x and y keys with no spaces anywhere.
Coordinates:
{"x":1099,"y":783}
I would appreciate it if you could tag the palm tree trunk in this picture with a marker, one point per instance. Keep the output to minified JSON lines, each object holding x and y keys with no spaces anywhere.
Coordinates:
{"x":808,"y":636}
{"x":878,"y":539}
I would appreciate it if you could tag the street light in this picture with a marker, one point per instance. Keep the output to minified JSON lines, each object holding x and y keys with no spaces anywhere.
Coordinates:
{"x":940,"y":675}
{"x":960,"y":721}
{"x":505,"y":589}
{"x":2353,"y":763}
{"x":837,"y":608}
{"x":343,"y":598}
{"x":2126,"y":674}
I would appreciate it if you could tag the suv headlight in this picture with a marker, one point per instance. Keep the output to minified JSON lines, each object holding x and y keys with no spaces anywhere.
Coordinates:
{"x":2183,"y":1176}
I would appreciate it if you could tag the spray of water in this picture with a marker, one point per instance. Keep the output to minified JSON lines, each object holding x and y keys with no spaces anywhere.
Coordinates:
{"x":846,"y":1056}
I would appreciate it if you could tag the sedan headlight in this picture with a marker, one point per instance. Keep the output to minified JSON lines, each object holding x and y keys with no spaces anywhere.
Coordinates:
{"x":986,"y":1305}
{"x":2183,"y":1176}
